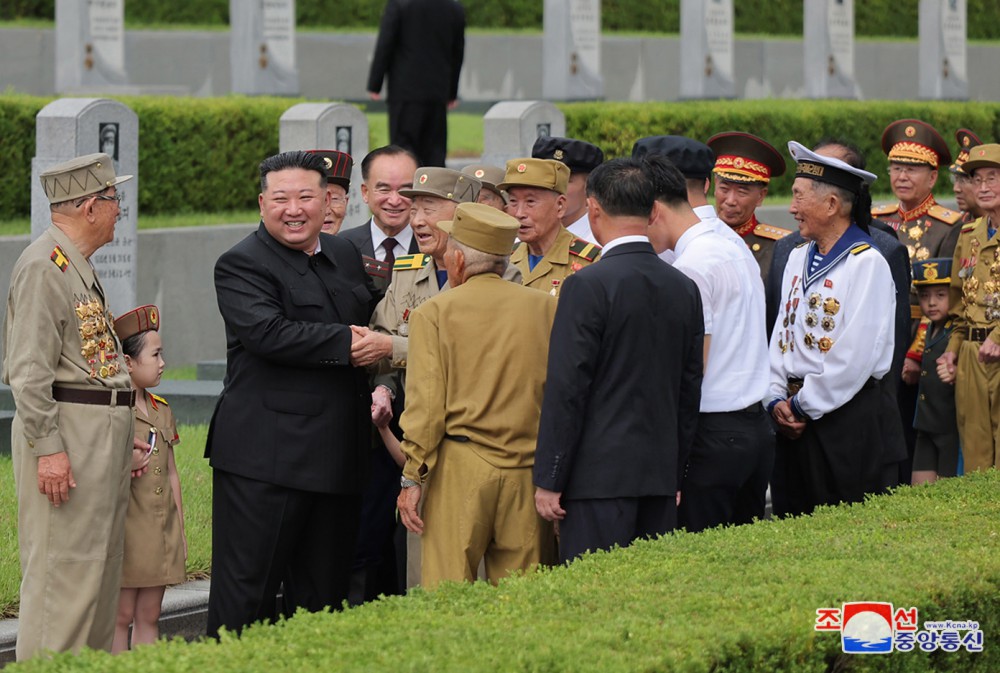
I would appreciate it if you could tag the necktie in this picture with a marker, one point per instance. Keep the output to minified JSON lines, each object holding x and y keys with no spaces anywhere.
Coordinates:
{"x":390,"y":256}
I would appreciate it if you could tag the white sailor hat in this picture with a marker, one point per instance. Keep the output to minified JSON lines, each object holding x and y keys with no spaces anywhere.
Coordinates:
{"x":831,"y":170}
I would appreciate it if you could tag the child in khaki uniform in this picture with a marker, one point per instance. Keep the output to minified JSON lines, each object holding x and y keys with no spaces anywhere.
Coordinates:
{"x":155,"y":548}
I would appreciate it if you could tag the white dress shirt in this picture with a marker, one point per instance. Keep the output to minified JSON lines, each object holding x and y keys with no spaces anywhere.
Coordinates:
{"x":403,"y":239}
{"x":732,"y":296}
{"x":581,"y":229}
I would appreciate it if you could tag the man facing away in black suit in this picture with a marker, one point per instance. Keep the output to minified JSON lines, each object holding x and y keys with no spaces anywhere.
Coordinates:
{"x":624,"y":379}
{"x":290,"y":436}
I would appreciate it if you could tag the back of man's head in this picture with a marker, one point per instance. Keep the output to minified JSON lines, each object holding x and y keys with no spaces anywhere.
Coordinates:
{"x":622,"y":188}
{"x":669,"y":185}
{"x":846,"y":151}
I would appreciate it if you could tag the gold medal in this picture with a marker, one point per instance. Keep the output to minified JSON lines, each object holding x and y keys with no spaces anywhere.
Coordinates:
{"x":811,"y":319}
{"x":827,"y":323}
{"x":809,"y":340}
{"x":825,"y":344}
{"x":915,"y":232}
{"x":831,"y":306}
{"x":814,"y":299}
{"x":922,"y":254}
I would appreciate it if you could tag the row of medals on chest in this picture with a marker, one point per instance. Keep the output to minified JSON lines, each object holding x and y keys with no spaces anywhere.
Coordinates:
{"x":971,"y":285}
{"x":830,"y":307}
{"x":916,"y":251}
{"x":96,"y":335}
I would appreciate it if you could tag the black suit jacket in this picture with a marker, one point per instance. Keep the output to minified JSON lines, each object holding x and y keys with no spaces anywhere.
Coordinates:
{"x":293,"y":411}
{"x":361,"y":237}
{"x":420,"y":46}
{"x":624,"y":379}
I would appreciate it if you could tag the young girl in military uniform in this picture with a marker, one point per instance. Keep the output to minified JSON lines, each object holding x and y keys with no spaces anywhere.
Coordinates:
{"x":155,"y":547}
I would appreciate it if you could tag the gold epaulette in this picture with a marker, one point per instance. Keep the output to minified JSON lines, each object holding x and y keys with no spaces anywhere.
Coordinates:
{"x":58,"y":257}
{"x":584,"y":249}
{"x":860,"y":248}
{"x":946,"y":215}
{"x":770,"y":232}
{"x":159,"y":399}
{"x":969,"y":227}
{"x":417,"y":261}
{"x":889,"y":209}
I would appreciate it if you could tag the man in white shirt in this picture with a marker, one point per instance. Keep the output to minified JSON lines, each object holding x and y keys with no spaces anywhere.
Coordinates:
{"x":581,"y":158}
{"x":733,"y":453}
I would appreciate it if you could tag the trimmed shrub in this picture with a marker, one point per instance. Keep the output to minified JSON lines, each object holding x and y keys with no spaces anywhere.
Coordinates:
{"x":739,"y":600}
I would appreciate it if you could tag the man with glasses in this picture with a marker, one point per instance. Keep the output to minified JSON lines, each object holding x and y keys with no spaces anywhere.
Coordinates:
{"x":338,"y":167}
{"x":73,"y":427}
{"x":965,"y":190}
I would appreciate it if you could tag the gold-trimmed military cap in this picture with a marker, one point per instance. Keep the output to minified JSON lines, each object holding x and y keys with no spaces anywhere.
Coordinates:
{"x":490,"y":176}
{"x":83,"y":176}
{"x":935,"y":271}
{"x":482,"y":227}
{"x":911,"y":141}
{"x":831,"y":170}
{"x":143,"y":319}
{"x":337,"y":166}
{"x":743,"y":157}
{"x":579,"y":155}
{"x":444,"y":183}
{"x":966,"y":141}
{"x":542,"y":173}
{"x":984,"y":156}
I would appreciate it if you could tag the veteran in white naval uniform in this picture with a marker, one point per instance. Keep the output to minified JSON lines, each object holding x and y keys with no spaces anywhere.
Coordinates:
{"x":832,"y":342}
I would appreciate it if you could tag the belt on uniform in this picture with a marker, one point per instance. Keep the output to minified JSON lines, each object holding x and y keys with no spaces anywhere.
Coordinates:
{"x":457,"y":438}
{"x":795,"y":385}
{"x":105,"y":397}
{"x":978,"y":333}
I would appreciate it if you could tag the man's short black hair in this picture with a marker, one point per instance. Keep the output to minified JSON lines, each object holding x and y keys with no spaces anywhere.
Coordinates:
{"x":296,"y":159}
{"x":669,"y":184}
{"x":853,"y":156}
{"x":622,"y":187}
{"x":387,"y":151}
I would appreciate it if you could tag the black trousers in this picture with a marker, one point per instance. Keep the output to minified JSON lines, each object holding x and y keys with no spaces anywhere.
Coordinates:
{"x":837,"y":459}
{"x":264,"y":535}
{"x":422,"y":128}
{"x":591,"y":525}
{"x":727,"y":473}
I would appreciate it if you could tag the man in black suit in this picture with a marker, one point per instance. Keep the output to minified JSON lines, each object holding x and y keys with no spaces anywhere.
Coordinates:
{"x":624,"y":378}
{"x":289,"y":439}
{"x":421,"y":45}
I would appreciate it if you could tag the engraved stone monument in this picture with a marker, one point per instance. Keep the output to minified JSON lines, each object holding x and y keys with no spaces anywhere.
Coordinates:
{"x":942,"y":59}
{"x":262,"y":47}
{"x":828,"y":46}
{"x":707,"y":49}
{"x":510,"y":129}
{"x":89,"y":45}
{"x":571,"y":50}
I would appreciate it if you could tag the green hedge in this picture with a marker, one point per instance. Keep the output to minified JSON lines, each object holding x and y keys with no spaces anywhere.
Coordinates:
{"x":733,"y":600}
{"x":871,"y":18}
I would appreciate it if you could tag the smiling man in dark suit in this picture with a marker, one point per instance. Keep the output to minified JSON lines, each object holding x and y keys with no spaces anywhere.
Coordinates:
{"x":624,"y":379}
{"x":289,"y":439}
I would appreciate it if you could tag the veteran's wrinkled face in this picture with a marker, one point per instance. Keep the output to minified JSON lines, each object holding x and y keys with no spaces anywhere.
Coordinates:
{"x":293,"y":207}
{"x":736,"y":202}
{"x":427,"y":211}
{"x":911,"y":183}
{"x":987,"y":185}
{"x":809,"y":208}
{"x":537,"y":211}
{"x":337,"y":210}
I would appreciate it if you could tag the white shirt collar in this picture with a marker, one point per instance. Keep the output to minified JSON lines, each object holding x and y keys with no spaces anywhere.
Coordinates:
{"x":622,"y":240}
{"x":403,"y":239}
{"x":692,"y":233}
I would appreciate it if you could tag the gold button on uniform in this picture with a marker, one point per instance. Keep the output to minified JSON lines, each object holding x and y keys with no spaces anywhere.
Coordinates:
{"x":157,"y":471}
{"x":159,"y":490}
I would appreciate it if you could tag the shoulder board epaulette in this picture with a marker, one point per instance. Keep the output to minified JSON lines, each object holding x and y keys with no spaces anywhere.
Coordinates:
{"x":159,"y":399}
{"x":584,"y":249}
{"x":417,"y":261}
{"x":58,"y":257}
{"x":946,"y":215}
{"x":889,"y":209}
{"x":860,"y":248}
{"x":375,"y":268}
{"x":770,"y":232}
{"x":802,"y":243}
{"x":969,"y":227}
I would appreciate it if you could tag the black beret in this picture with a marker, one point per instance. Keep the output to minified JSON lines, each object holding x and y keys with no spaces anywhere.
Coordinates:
{"x":693,"y":159}
{"x":579,"y":156}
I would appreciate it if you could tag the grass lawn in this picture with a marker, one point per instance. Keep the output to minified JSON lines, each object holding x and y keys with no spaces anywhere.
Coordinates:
{"x":196,"y":485}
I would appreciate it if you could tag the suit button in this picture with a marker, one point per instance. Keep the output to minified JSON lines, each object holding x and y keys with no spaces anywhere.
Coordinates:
{"x":922,"y":396}
{"x":923,"y":373}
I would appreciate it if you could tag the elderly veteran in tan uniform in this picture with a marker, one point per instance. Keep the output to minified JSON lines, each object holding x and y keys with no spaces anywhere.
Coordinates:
{"x":473,"y":401}
{"x":72,"y":432}
{"x":548,"y":253}
{"x":490,"y":176}
{"x":744,"y":166}
{"x":972,"y":359}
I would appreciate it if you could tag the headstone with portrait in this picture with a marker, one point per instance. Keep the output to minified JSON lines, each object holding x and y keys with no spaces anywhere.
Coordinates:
{"x":828,"y":41}
{"x":262,"y":47}
{"x":70,"y":127}
{"x":707,"y":49}
{"x":943,"y":50}
{"x":330,"y":126}
{"x":510,"y":129}
{"x":571,"y":50}
{"x":89,"y":45}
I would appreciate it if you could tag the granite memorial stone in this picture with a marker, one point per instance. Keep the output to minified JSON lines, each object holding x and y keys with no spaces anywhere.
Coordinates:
{"x":510,"y":129}
{"x":707,"y":49}
{"x":89,"y":45}
{"x":942,"y":60}
{"x":829,"y":49}
{"x":262,"y":47}
{"x":571,"y":50}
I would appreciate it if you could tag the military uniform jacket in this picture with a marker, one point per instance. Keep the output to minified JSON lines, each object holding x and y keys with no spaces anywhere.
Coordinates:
{"x":567,"y":255}
{"x":835,"y":325}
{"x":478,"y":355}
{"x":760,"y":239}
{"x":974,"y":295}
{"x":936,"y":401}
{"x":927,"y":231}
{"x":58,"y":332}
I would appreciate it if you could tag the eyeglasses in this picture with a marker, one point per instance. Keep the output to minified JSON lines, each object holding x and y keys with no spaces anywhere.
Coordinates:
{"x":960,"y":179}
{"x":117,"y":197}
{"x":990,"y":181}
{"x":905,"y":170}
{"x":337,"y":200}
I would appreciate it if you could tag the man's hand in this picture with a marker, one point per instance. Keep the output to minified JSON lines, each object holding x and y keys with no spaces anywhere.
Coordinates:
{"x":381,"y":406}
{"x":946,"y":367}
{"x":55,"y":477}
{"x":911,"y":372}
{"x":547,"y":504}
{"x":452,"y":104}
{"x":140,"y":457}
{"x":989,"y":352}
{"x":374,"y":95}
{"x":368,"y":347}
{"x":406,"y":503}
{"x":788,"y":424}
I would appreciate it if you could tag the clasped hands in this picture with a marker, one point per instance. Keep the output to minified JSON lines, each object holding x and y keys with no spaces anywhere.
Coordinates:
{"x":788,"y":423}
{"x":368,"y":347}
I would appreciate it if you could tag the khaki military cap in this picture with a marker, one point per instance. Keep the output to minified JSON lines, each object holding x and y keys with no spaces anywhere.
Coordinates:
{"x":984,"y":156}
{"x":443,"y":183}
{"x":490,"y":176}
{"x":80,"y":177}
{"x":541,"y":173}
{"x":482,"y":228}
{"x":143,"y":319}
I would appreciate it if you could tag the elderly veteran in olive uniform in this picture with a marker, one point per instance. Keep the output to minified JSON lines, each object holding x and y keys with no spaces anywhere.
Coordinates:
{"x":337,"y":167}
{"x":744,"y":165}
{"x":72,"y":431}
{"x":581,"y":158}
{"x":474,"y":397}
{"x":972,"y":359}
{"x":832,"y":343}
{"x":490,"y":177}
{"x":548,"y":253}
{"x":962,"y":185}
